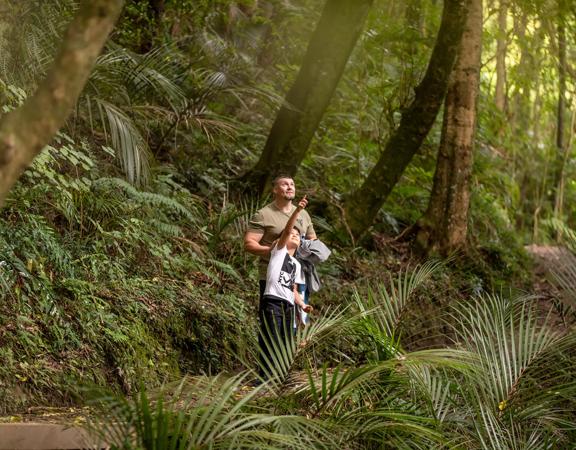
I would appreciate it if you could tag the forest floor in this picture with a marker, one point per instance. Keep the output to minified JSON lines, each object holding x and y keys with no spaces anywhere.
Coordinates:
{"x":48,"y":414}
{"x":550,"y":262}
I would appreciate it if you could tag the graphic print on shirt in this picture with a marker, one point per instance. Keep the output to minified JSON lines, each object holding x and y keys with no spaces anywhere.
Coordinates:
{"x":287,"y":273}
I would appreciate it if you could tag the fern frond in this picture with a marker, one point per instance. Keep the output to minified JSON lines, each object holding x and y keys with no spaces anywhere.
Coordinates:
{"x":150,"y":199}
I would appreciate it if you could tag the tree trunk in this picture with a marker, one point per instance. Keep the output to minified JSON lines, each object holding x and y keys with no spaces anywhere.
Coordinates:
{"x":27,"y":129}
{"x":414,"y":21}
{"x":520,"y":113}
{"x":444,"y":226}
{"x":560,"y":119}
{"x":152,"y":25}
{"x":328,"y":51}
{"x":363,"y":205}
{"x":501,"y":46}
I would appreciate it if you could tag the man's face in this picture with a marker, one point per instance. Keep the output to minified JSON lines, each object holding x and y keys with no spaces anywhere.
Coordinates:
{"x":284,"y":188}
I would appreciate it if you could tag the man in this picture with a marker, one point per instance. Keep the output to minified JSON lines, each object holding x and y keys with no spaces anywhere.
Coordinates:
{"x":269,"y":222}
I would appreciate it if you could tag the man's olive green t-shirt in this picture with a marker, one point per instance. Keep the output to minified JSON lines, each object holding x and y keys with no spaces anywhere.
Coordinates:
{"x":271,"y":222}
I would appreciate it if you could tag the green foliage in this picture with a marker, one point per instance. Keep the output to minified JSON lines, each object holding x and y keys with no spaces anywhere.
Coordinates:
{"x":383,"y":311}
{"x":110,"y":284}
{"x":507,"y":384}
{"x":562,"y":273}
{"x":524,"y":378}
{"x":200,"y":413}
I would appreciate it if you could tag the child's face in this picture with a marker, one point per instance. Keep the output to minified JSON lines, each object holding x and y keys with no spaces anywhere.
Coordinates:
{"x":294,"y":239}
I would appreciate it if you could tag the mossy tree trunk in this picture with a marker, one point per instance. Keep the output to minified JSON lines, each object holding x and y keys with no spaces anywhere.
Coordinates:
{"x":444,"y":226}
{"x":27,"y":129}
{"x":330,"y":47}
{"x":363,"y":205}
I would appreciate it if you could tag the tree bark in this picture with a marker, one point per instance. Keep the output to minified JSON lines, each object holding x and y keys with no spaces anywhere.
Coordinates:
{"x":444,"y":226}
{"x":27,"y":129}
{"x":363,"y":205}
{"x":501,"y":47}
{"x":330,"y":47}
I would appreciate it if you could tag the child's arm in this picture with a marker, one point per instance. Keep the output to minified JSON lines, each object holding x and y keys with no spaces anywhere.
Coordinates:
{"x":291,"y":222}
{"x":298,"y":300}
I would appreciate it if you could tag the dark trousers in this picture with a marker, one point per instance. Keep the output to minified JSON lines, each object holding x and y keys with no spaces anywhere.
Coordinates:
{"x":276,"y":322}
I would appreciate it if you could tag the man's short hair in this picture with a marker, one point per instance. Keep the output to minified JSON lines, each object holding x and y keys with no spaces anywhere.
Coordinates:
{"x":280,"y":177}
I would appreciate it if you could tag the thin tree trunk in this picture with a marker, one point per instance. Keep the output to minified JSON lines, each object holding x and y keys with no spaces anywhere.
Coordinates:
{"x":444,"y":226}
{"x":155,"y":12}
{"x":27,"y":129}
{"x":363,"y":205}
{"x":501,"y":47}
{"x":415,"y":24}
{"x":328,"y":51}
{"x":560,"y":119}
{"x":523,"y":80}
{"x":559,"y":205}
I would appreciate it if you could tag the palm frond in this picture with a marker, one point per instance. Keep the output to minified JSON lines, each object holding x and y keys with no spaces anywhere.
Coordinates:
{"x":384,"y":307}
{"x":523,"y":383}
{"x":129,"y":144}
{"x":143,"y":77}
{"x":201,"y":413}
{"x":284,"y":354}
{"x":367,"y":403}
{"x":507,"y":336}
{"x":436,"y":389}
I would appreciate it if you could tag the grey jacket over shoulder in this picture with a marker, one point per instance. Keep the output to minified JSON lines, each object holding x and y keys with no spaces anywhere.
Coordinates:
{"x":310,"y":253}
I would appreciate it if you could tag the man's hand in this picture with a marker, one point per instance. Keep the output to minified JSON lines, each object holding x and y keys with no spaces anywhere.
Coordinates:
{"x":307,"y":309}
{"x":303,"y":203}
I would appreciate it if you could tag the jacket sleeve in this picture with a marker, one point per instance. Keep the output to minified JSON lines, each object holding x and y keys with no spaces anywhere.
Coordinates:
{"x":319,"y":252}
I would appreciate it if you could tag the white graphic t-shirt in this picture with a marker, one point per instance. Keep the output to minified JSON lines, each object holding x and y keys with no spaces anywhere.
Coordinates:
{"x":283,"y":271}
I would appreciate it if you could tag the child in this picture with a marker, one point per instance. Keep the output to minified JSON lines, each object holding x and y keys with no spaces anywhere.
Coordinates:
{"x":281,"y":294}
